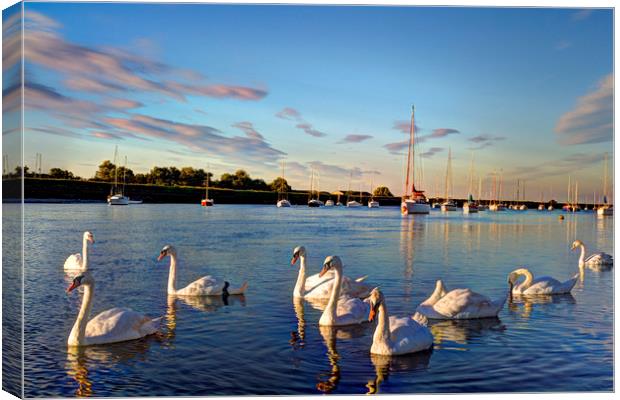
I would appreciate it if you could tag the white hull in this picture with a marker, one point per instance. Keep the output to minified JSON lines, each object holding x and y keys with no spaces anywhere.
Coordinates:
{"x":315,"y":203}
{"x":448,"y":207}
{"x":353,"y":204}
{"x":497,"y":207}
{"x":118,"y":200}
{"x":412,"y":207}
{"x":283,"y":203}
{"x":605,"y":211}
{"x":373,"y":204}
{"x":329,"y":203}
{"x":467,"y":209}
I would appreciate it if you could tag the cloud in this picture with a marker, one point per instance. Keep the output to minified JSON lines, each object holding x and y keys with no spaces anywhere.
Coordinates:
{"x":582,"y":14}
{"x":563,"y":44}
{"x":431,"y":152}
{"x":105,"y":70}
{"x":302,"y":170}
{"x":558,"y":167}
{"x":200,"y":138}
{"x":439,"y":133}
{"x":485,"y":141}
{"x":289,"y":113}
{"x":248,"y":129}
{"x":124,"y":104}
{"x":405,"y":126}
{"x":397,"y":147}
{"x":355,"y":138}
{"x":591,"y":121}
{"x":309,"y":130}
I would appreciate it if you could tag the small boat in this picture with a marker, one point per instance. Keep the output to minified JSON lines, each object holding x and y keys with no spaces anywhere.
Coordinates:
{"x":448,"y":205}
{"x":436,"y":205}
{"x":373,"y":204}
{"x":605,"y":209}
{"x":353,"y":203}
{"x":483,"y":207}
{"x":282,"y":196}
{"x":470,"y":207}
{"x":118,"y":200}
{"x":117,"y":197}
{"x":413,"y":201}
{"x":541,"y":207}
{"x":329,"y":203}
{"x":550,"y":208}
{"x":339,"y":204}
{"x":207,"y":202}
{"x":315,"y":203}
{"x":522,"y":207}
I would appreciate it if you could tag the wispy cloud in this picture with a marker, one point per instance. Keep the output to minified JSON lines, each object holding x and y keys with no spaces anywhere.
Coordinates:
{"x":289,"y":113}
{"x":309,"y":130}
{"x":396,"y":147}
{"x":431,"y":152}
{"x":405,"y":126}
{"x":558,"y":167}
{"x":485,"y":141}
{"x":355,"y":138}
{"x":582,"y":14}
{"x":248,"y":129}
{"x":439,"y":133}
{"x":591,"y":121}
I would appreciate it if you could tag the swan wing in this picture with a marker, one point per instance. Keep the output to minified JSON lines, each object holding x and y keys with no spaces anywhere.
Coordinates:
{"x":355,"y":288}
{"x":74,"y":261}
{"x":205,"y":286}
{"x":118,"y":325}
{"x":408,"y":336}
{"x":351,"y":310}
{"x":315,"y":280}
{"x":546,"y":285}
{"x":599,"y":259}
{"x":463,"y":304}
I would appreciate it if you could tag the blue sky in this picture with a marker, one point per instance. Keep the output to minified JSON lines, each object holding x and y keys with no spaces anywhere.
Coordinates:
{"x":528,"y":91}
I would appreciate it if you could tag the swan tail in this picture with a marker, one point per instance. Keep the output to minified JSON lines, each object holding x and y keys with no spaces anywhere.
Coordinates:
{"x":361,"y":279}
{"x":240,"y":290}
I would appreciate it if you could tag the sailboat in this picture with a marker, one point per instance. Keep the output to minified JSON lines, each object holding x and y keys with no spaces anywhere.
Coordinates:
{"x":117,"y":197}
{"x":312,"y":202}
{"x":481,"y":207}
{"x":497,"y":205}
{"x":541,"y":206}
{"x":282,"y":196}
{"x":372,"y":203}
{"x":414,"y":201}
{"x":605,"y":209}
{"x":352,"y":203}
{"x":470,"y":206}
{"x":448,"y":204}
{"x":207,"y":202}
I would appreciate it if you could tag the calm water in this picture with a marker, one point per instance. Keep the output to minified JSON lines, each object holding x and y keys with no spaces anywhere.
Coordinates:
{"x":265,"y":344}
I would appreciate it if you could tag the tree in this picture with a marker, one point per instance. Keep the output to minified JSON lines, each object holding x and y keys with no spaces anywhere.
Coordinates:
{"x":105,"y":171}
{"x":241,"y":180}
{"x":280,"y":184}
{"x":58,"y":173}
{"x":382,"y":191}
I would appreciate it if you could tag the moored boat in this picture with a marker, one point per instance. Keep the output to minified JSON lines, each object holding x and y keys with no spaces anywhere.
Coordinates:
{"x":413,"y":201}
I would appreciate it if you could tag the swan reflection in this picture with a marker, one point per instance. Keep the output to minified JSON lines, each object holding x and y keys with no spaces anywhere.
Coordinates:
{"x":462,"y":332}
{"x":384,"y":365}
{"x":81,"y":359}
{"x":524,"y":305}
{"x":298,"y":337}
{"x":211,"y":303}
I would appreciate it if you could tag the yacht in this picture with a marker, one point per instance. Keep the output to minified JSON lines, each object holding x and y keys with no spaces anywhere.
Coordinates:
{"x":282,"y":195}
{"x":414,"y":201}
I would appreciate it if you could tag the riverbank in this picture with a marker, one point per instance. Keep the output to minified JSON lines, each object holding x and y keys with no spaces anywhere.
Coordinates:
{"x":76,"y":191}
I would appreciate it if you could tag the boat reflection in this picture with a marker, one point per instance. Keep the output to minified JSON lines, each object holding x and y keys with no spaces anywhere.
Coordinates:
{"x":384,"y":365}
{"x":524,"y":305}
{"x":411,"y":232}
{"x":462,"y":332}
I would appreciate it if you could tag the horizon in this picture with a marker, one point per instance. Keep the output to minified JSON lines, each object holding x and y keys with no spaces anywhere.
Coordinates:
{"x":526,"y":91}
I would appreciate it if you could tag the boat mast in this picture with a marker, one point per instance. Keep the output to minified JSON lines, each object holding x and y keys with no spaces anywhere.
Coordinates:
{"x":605,"y":182}
{"x":410,"y":155}
{"x":349,"y":190}
{"x":207,"y":189}
{"x":448,"y":182}
{"x":124,"y":173}
{"x":114,"y":188}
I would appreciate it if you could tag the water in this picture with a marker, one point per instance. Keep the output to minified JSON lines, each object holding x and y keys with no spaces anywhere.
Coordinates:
{"x":265,"y":344}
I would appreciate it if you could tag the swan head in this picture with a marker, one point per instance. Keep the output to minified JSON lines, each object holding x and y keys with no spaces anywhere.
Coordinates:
{"x":89,"y":237}
{"x":576,"y":244}
{"x":84,"y":278}
{"x":331,"y":262}
{"x":299,"y":251}
{"x":168,"y":250}
{"x":375,"y":298}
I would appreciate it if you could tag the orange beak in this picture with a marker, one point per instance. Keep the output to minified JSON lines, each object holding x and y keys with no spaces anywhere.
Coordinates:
{"x":294,"y":259}
{"x":323,"y":270}
{"x":73,"y":286}
{"x":161,"y":255}
{"x":371,"y":314}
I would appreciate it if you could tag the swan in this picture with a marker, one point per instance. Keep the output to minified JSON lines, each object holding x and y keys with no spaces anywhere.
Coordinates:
{"x":110,"y":326}
{"x":344,"y":310}
{"x":540,"y":285}
{"x":594,"y":261}
{"x":459,"y":304}
{"x":396,"y":336}
{"x":75,"y":261}
{"x":317,"y":287}
{"x":205,"y":286}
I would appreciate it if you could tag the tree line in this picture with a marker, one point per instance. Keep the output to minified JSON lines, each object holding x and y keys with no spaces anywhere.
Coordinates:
{"x":173,"y":176}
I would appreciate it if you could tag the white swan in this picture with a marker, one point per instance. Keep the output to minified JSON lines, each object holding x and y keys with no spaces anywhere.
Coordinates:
{"x":79,"y":261}
{"x":344,"y":310}
{"x":459,"y":304}
{"x":540,"y":285}
{"x":205,"y":286}
{"x":316,"y":287}
{"x":110,"y":326}
{"x":594,"y":261}
{"x":395,"y":336}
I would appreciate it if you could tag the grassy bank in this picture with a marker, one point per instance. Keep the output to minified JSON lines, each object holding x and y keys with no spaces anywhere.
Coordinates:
{"x":76,"y":190}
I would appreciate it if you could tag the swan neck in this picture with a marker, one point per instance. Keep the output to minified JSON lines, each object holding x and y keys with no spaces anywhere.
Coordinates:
{"x":333,"y":299}
{"x":78,"y":332}
{"x":582,"y":257}
{"x":382,"y":332}
{"x":528,"y":279}
{"x":172,"y":277}
{"x":85,"y":254}
{"x":300,"y":285}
